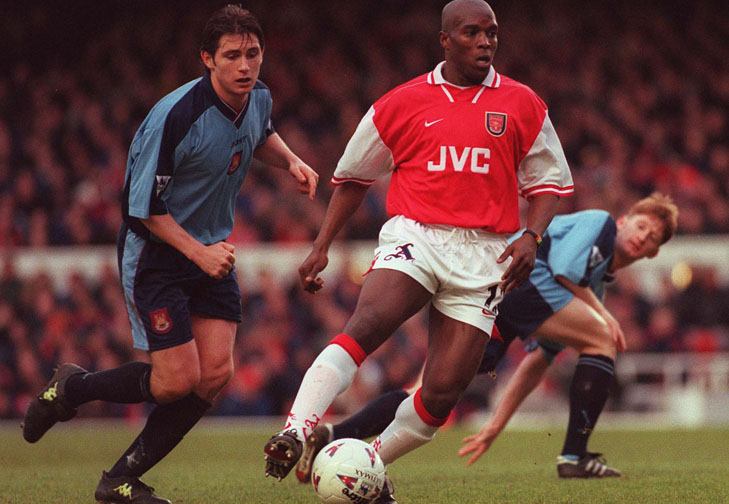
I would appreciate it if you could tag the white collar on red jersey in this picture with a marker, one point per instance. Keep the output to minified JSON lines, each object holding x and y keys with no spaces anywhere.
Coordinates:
{"x":492,"y":80}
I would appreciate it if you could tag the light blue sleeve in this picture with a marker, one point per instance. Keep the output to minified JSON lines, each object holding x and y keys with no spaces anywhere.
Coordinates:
{"x":144,"y":159}
{"x":572,"y":245}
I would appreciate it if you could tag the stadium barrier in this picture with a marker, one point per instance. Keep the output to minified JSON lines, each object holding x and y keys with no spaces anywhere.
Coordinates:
{"x":675,"y":389}
{"x":691,"y":388}
{"x":676,"y":260}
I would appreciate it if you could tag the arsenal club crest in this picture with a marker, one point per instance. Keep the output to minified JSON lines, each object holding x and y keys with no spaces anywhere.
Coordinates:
{"x":495,"y":123}
{"x":234,"y":163}
{"x":161,"y":321}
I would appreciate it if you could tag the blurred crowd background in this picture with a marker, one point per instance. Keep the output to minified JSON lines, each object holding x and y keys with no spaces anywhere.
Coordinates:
{"x":638,"y":93}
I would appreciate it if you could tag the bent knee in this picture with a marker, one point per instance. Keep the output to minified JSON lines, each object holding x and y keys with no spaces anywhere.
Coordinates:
{"x":217,"y":376}
{"x":171,"y":387}
{"x":600,"y":341}
{"x":213,"y":380}
{"x":440,"y":401}
{"x":171,"y":383}
{"x":603,"y":336}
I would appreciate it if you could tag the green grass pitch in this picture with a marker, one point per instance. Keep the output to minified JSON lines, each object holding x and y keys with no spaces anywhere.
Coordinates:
{"x":224,"y":464}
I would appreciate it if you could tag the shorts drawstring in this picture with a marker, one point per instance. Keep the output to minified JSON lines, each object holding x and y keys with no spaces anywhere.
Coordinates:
{"x":460,"y":236}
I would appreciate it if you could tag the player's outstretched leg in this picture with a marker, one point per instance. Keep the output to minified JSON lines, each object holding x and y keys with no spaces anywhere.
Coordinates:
{"x":127,"y":490}
{"x":51,"y":405}
{"x":592,"y":465}
{"x":329,"y":375}
{"x":282,"y":453}
{"x":373,"y":418}
{"x":369,"y":421}
{"x":495,"y":350}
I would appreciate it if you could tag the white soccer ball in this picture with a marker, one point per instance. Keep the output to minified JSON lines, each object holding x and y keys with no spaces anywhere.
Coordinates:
{"x":348,"y":471}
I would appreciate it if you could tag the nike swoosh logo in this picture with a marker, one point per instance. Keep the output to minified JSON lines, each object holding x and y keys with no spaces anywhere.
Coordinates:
{"x":429,"y":124}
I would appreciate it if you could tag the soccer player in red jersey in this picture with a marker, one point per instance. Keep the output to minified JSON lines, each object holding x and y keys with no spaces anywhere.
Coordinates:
{"x":561,"y":305}
{"x":461,"y":143}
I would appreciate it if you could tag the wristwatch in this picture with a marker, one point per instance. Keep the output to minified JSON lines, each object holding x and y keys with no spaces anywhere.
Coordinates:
{"x":537,"y":236}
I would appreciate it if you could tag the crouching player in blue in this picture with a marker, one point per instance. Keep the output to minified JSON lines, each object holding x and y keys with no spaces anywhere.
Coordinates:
{"x":561,"y":305}
{"x":186,"y":164}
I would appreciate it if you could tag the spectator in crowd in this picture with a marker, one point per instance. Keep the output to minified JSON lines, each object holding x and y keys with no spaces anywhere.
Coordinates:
{"x":643,"y":124}
{"x":646,"y":112}
{"x":42,"y":323}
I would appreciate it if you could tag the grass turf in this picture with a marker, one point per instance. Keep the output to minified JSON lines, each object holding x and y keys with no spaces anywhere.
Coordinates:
{"x":225,"y":465}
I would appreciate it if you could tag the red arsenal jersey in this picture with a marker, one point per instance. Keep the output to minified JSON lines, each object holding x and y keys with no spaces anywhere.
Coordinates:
{"x":458,"y":156}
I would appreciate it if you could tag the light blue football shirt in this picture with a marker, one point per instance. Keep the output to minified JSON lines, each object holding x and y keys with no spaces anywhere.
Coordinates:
{"x":579,"y":247}
{"x":190,"y":157}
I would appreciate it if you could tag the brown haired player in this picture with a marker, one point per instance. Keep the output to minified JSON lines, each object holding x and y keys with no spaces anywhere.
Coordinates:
{"x":186,"y":164}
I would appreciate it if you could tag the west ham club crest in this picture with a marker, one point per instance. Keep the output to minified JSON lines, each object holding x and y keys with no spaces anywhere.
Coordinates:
{"x":161,"y":321}
{"x":495,"y":123}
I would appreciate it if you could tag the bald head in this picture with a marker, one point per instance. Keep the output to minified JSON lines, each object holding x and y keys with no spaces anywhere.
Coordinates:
{"x":469,"y":36}
{"x":455,"y":12}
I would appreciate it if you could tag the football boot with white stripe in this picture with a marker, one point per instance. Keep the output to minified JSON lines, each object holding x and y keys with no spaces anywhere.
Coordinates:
{"x":318,"y":439}
{"x":592,"y":465}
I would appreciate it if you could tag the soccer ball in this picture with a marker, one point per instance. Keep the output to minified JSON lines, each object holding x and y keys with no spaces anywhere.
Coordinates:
{"x":348,"y":471}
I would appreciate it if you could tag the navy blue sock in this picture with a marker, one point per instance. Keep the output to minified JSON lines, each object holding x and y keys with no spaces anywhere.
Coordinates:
{"x":373,"y":418}
{"x":495,"y":350}
{"x":126,"y":384}
{"x":588,"y":394}
{"x":165,"y":428}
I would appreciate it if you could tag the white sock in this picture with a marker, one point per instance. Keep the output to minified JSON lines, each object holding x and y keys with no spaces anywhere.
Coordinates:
{"x":329,"y":375}
{"x":406,"y":432}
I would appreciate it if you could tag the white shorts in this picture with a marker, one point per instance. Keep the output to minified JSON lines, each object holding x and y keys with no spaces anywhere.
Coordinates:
{"x":457,"y":265}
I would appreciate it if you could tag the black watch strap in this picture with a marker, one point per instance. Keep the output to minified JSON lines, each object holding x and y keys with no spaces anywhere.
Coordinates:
{"x":537,"y":236}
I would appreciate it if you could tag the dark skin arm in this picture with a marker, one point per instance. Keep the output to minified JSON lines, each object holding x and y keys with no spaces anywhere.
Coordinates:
{"x":345,"y":201}
{"x":523,"y":250}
